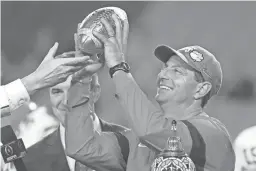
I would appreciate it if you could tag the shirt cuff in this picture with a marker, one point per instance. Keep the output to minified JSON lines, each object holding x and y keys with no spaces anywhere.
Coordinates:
{"x":4,"y":103}
{"x":17,"y":94}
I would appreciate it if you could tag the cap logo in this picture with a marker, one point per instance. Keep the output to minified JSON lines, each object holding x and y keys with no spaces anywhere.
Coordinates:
{"x":188,"y":49}
{"x":196,"y":56}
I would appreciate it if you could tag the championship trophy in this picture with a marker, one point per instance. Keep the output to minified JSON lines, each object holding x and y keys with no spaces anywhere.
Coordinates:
{"x":173,"y":157}
{"x":85,"y":39}
{"x":88,"y":45}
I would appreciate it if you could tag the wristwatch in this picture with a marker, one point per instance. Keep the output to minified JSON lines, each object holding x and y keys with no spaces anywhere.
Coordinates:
{"x":122,"y":66}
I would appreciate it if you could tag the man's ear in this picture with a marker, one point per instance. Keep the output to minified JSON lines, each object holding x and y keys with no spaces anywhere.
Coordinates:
{"x":202,"y":89}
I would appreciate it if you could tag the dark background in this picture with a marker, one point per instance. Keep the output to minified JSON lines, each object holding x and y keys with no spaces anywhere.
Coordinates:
{"x":227,"y":29}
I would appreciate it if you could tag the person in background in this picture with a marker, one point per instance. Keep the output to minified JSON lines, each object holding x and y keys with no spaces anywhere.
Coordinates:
{"x":50,"y":72}
{"x":245,"y":150}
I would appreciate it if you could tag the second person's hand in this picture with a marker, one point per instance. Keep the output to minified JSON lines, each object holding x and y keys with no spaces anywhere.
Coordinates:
{"x":53,"y":70}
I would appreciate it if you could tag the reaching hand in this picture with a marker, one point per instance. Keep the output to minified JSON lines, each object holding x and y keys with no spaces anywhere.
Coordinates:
{"x":53,"y":71}
{"x":116,"y":44}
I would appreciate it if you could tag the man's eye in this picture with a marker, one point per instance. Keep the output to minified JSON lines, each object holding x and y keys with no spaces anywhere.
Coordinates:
{"x":177,"y":70}
{"x":180,"y":71}
{"x":56,"y":91}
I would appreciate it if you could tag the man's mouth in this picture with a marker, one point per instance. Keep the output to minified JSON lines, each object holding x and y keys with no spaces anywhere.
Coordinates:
{"x":165,"y":87}
{"x":64,"y":109}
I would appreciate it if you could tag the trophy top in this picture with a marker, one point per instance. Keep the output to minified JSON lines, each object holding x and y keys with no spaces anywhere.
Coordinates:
{"x":173,"y":145}
{"x":86,"y":41}
{"x":93,"y":19}
{"x":173,"y":157}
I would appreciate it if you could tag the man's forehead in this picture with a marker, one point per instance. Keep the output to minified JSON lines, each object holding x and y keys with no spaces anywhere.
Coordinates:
{"x":178,"y":62}
{"x":175,"y":60}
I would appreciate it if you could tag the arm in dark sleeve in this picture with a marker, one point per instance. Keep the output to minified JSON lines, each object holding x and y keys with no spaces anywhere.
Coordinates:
{"x":144,"y":117}
{"x":99,"y":151}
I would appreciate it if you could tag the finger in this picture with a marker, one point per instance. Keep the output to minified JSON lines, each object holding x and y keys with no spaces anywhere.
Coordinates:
{"x":78,"y":26}
{"x":51,"y":52}
{"x":125,"y":35}
{"x":95,"y":81}
{"x":94,"y":67}
{"x":88,"y":70}
{"x":100,"y":36}
{"x":70,"y":54}
{"x":74,"y":69}
{"x":81,"y":61}
{"x":76,"y":44}
{"x":82,"y":31}
{"x":118,"y":30}
{"x":80,"y":74}
{"x":108,"y":27}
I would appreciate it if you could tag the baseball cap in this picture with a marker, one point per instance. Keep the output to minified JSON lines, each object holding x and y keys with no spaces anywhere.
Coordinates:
{"x":245,"y":150}
{"x":198,"y":58}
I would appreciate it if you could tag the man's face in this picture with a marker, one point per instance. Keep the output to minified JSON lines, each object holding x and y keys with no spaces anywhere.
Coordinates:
{"x":59,"y":95}
{"x":67,"y":94}
{"x":176,"y":82}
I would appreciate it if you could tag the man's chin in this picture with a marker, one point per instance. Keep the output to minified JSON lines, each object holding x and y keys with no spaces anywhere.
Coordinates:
{"x":59,"y":113}
{"x":159,"y":99}
{"x":162,"y":98}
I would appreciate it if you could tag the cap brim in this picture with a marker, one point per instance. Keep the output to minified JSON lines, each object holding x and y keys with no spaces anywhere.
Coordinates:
{"x":164,"y":53}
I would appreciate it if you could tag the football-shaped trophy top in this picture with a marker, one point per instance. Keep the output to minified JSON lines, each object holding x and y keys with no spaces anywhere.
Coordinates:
{"x":85,"y":38}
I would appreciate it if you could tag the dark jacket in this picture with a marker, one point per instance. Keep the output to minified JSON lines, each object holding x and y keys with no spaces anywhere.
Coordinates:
{"x":49,"y":155}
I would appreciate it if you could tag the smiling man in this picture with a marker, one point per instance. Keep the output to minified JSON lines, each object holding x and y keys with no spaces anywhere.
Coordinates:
{"x":190,"y":77}
{"x":185,"y":80}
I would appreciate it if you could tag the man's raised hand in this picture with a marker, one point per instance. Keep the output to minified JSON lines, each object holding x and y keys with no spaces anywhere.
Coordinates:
{"x":115,"y":45}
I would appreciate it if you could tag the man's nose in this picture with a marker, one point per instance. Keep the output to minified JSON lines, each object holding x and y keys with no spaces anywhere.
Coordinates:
{"x":162,"y":74}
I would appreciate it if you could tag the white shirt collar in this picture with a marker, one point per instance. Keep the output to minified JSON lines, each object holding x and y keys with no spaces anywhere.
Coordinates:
{"x":62,"y":136}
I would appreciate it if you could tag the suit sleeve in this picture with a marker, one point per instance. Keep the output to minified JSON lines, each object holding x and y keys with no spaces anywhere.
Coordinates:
{"x":12,"y":96}
{"x":97,"y":150}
